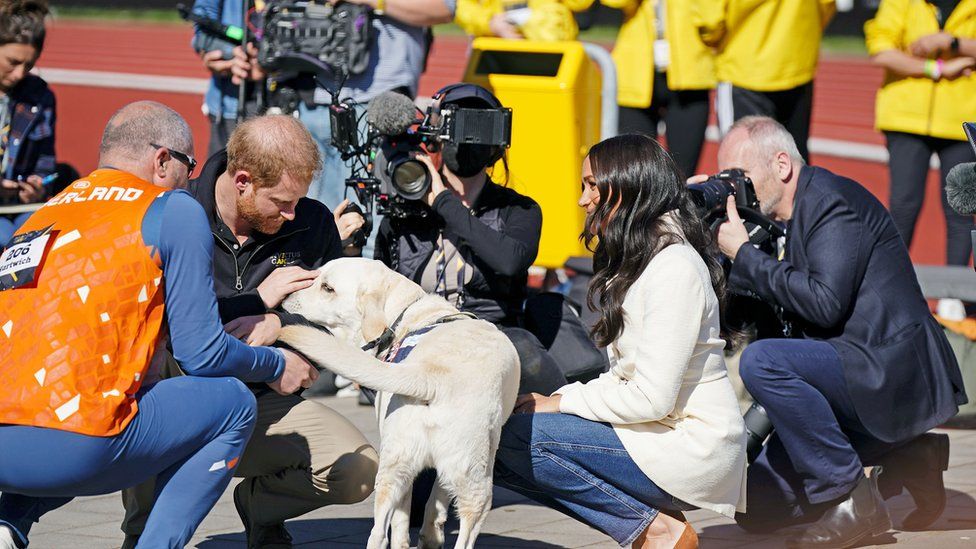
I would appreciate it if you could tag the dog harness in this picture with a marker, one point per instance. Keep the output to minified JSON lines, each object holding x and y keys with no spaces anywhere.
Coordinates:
{"x":397,"y":350}
{"x":81,"y":308}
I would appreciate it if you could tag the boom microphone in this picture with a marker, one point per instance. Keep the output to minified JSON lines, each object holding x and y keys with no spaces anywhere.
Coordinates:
{"x":391,"y":113}
{"x":961,"y":188}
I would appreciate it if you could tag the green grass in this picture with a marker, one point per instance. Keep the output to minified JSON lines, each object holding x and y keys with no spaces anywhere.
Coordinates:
{"x":844,"y":45}
{"x":112,"y":14}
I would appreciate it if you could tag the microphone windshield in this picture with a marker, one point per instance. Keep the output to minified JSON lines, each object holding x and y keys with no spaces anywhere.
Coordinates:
{"x":391,"y":113}
{"x":961,"y":188}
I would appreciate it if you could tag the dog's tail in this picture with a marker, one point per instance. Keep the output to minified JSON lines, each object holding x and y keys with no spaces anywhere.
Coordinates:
{"x":353,"y":363}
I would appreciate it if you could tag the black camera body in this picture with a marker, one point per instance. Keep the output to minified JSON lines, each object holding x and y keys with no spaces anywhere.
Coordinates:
{"x":304,"y":36}
{"x":710,"y":196}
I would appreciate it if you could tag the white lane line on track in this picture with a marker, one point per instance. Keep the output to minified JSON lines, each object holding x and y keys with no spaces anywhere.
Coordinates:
{"x":197,"y":86}
{"x":125,"y":80}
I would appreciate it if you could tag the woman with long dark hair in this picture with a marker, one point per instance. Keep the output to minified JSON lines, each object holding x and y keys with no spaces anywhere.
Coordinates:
{"x":660,"y":432}
{"x":27,"y":112}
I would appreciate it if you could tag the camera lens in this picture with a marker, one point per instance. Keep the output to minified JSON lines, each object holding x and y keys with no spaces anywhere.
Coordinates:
{"x":410,"y":178}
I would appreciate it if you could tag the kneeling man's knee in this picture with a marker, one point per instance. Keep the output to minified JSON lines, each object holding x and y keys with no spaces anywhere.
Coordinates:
{"x":352,"y":476}
{"x":757,"y":365}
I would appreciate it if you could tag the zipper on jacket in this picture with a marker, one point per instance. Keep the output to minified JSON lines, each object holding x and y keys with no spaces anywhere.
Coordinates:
{"x":238,"y":270}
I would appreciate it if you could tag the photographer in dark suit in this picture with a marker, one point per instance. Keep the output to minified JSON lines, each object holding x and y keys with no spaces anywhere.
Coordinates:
{"x":868,"y":370}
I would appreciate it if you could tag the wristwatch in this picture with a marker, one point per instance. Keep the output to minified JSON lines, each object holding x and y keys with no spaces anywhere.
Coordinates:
{"x":381,"y":7}
{"x":954,"y":45}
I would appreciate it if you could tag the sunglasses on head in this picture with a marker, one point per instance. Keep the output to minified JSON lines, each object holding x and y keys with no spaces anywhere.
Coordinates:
{"x":183,"y":158}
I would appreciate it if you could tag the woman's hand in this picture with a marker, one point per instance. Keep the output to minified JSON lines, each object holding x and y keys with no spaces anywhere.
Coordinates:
{"x":931,"y":44}
{"x":32,"y":190}
{"x":436,"y":181}
{"x":958,"y":66}
{"x":347,"y":222}
{"x":534,"y":403}
{"x":255,"y":330}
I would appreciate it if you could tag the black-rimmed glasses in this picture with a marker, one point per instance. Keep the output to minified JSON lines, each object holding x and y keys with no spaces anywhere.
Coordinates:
{"x":183,"y":158}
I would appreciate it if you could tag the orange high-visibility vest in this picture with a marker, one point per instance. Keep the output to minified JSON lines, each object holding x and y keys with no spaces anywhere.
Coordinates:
{"x":81,"y":308}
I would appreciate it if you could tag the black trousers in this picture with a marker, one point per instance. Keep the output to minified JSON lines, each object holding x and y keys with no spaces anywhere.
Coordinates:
{"x":792,"y":108}
{"x":685,"y":115}
{"x":908,"y":164}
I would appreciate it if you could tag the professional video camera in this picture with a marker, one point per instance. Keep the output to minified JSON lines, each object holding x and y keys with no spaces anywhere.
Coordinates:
{"x":296,"y":37}
{"x":385,"y":170}
{"x":302,"y":36}
{"x":711,"y":196}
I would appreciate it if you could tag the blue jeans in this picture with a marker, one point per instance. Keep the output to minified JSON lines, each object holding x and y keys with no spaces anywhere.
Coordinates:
{"x":190,"y":431}
{"x":579,"y":467}
{"x":9,"y":225}
{"x":329,"y":185}
{"x":819,"y":446}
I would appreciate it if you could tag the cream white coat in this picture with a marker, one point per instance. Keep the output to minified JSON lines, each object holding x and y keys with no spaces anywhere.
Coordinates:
{"x":667,"y":393}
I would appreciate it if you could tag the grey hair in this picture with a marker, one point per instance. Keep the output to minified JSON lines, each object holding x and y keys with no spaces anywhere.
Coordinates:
{"x":769,"y":137}
{"x":132,"y":128}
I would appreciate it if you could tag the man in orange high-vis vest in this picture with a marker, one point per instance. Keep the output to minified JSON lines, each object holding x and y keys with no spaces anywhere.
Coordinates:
{"x":89,"y":288}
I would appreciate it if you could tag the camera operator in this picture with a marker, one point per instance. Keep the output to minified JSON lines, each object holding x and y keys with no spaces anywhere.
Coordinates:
{"x":476,"y":248}
{"x":868,"y":370}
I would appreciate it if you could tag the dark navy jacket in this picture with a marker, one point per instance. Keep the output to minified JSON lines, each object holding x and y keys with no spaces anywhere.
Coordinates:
{"x":30,"y":141}
{"x":847,"y":275}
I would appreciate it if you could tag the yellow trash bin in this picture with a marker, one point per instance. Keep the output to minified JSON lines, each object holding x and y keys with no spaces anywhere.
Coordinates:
{"x":553,"y":90}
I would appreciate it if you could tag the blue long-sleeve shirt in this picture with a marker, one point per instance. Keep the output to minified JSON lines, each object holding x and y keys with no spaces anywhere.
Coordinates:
{"x":177,"y":226}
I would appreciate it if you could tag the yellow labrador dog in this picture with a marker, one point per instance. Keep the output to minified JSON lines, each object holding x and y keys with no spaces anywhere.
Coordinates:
{"x":447,"y":384}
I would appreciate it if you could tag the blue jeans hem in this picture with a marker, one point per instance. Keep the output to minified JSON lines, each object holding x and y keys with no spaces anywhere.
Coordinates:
{"x":643,"y":526}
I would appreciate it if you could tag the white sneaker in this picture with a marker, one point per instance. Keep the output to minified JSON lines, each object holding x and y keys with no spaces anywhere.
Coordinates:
{"x":7,"y":538}
{"x":951,"y":309}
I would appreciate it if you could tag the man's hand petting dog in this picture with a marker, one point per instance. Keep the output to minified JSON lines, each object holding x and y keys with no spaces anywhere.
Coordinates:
{"x":255,"y":330}
{"x":282,"y":282}
{"x":298,"y":374}
{"x":534,"y":403}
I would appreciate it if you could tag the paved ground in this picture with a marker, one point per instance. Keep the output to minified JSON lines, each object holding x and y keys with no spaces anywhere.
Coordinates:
{"x":93,"y":522}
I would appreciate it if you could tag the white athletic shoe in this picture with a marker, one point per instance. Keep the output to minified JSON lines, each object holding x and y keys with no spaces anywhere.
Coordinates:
{"x":7,"y":538}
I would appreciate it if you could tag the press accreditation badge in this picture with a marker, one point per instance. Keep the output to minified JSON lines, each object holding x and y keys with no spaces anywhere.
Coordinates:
{"x":21,"y":262}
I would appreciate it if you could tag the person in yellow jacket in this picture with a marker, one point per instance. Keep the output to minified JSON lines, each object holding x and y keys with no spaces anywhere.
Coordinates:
{"x":928,"y":51}
{"x":546,"y":20}
{"x":664,"y":72}
{"x":767,"y":52}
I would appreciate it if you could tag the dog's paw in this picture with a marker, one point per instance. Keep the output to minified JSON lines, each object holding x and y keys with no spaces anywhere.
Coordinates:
{"x":431,"y":540}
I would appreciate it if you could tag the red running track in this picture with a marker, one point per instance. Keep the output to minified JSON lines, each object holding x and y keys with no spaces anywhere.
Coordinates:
{"x":843,"y":101}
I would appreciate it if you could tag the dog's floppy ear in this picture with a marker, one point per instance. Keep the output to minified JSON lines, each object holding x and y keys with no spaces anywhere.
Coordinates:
{"x":371,"y":302}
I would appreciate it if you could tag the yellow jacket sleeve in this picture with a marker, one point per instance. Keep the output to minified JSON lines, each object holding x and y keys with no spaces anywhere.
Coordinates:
{"x":629,"y":7}
{"x":827,"y":10}
{"x":475,"y":17}
{"x":578,"y":5}
{"x":708,"y":16}
{"x":886,"y":31}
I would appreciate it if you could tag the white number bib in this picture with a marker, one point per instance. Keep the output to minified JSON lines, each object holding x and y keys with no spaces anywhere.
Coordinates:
{"x":21,"y":262}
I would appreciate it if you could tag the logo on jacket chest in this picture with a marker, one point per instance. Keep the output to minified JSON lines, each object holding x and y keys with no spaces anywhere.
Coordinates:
{"x":284,"y":259}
